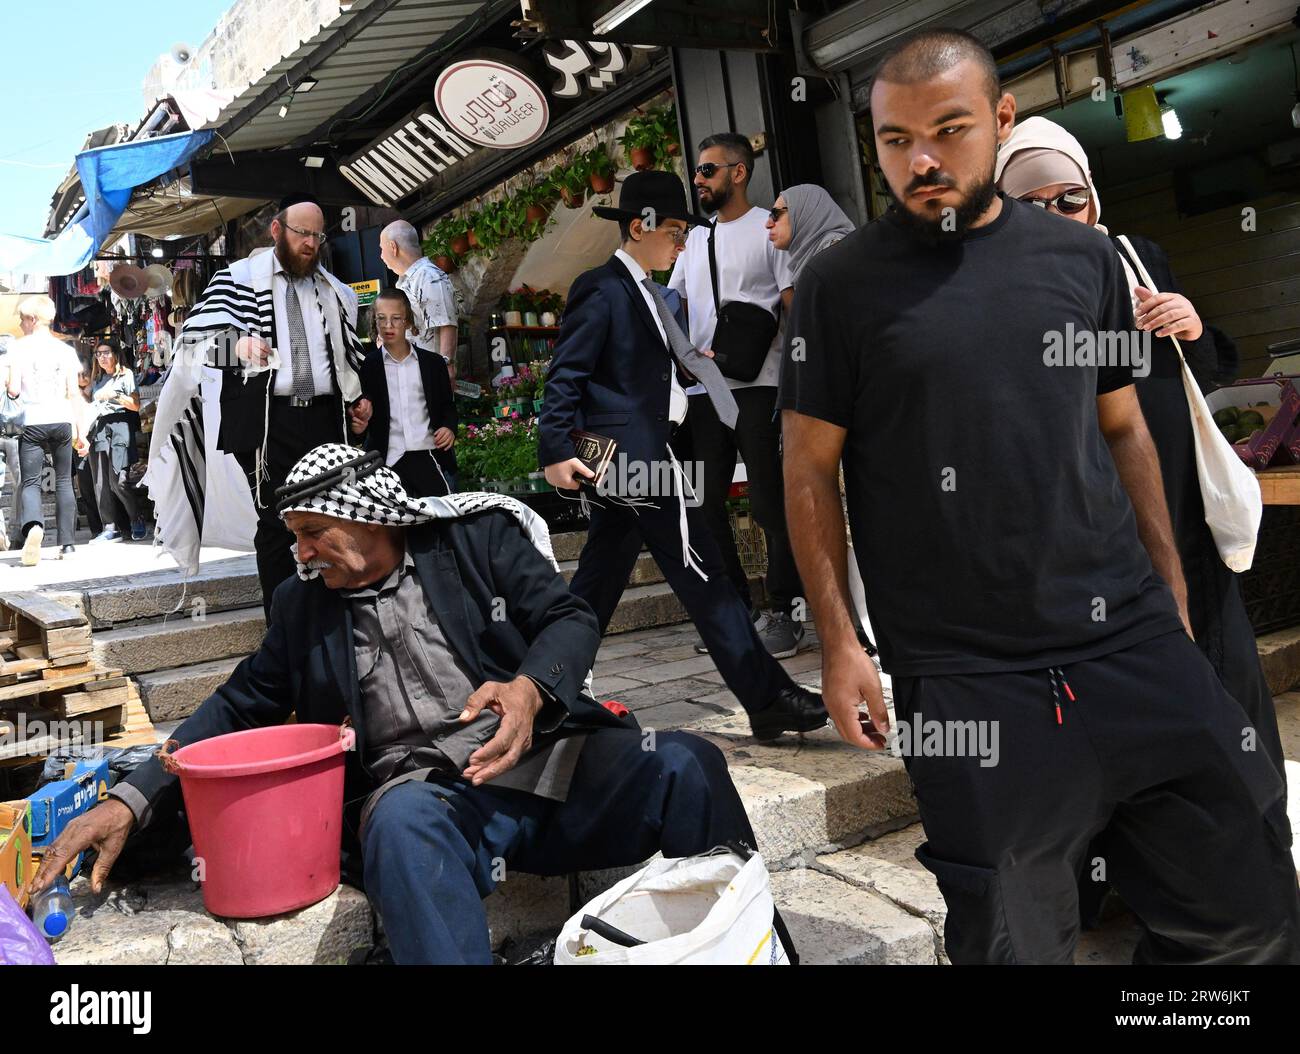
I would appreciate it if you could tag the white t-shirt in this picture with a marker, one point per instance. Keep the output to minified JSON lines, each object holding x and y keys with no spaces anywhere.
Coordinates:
{"x":46,"y":366}
{"x":750,"y":269}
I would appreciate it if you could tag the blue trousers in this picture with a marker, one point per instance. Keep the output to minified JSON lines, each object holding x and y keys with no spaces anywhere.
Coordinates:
{"x":433,"y":850}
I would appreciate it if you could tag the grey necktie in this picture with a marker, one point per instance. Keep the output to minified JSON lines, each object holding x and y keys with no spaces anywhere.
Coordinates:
{"x":703,"y":367}
{"x":304,"y":384}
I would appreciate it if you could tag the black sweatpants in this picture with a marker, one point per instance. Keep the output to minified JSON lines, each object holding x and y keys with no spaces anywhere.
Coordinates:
{"x":291,"y":432}
{"x":1154,"y":760}
{"x":758,"y":437}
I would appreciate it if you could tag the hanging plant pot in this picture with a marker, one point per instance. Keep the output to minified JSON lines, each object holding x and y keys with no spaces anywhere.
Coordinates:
{"x":537,"y":213}
{"x":445,"y":264}
{"x":472,"y":240}
{"x":601,"y":184}
{"x":460,"y":244}
{"x":642,"y":158}
{"x":573,"y":199}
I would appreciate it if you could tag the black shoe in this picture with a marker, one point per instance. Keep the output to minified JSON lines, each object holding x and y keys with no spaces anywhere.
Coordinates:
{"x":67,"y":550}
{"x":794,"y":710}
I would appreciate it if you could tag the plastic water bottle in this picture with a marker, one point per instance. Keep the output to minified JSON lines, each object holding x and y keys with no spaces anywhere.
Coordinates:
{"x":52,"y":910}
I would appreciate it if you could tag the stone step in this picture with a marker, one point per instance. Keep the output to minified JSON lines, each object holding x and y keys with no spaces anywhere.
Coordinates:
{"x":220,"y":585}
{"x":568,"y":544}
{"x":644,"y":572}
{"x":172,"y":695}
{"x":1279,"y":653}
{"x":149,"y":646}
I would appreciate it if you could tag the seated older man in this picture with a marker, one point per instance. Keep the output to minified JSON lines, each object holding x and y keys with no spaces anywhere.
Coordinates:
{"x":442,"y":627}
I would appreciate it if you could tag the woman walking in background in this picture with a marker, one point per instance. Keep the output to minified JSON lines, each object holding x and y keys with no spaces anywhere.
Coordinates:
{"x":42,"y":374}
{"x":115,"y":409}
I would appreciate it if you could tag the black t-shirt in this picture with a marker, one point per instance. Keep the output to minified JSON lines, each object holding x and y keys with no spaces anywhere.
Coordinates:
{"x":987,"y":516}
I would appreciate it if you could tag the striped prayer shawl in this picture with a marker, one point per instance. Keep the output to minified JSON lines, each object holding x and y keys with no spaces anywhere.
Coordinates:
{"x":200,"y":493}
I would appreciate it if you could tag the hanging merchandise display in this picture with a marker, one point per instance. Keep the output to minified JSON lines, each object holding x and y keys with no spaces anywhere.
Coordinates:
{"x":128,"y":281}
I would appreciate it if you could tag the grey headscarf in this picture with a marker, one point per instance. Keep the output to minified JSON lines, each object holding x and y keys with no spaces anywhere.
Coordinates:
{"x":815,"y":223}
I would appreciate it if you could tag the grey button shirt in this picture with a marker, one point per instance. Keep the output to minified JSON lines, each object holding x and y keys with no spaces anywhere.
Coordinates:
{"x":413,"y":686}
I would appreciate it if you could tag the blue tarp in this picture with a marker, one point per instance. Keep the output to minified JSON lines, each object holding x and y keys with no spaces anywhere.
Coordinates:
{"x":108,"y":176}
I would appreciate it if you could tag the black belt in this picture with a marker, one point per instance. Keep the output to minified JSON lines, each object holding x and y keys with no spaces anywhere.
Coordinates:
{"x":297,"y":402}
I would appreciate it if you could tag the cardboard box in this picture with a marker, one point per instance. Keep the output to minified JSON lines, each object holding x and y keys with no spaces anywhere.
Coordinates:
{"x":1282,"y":399}
{"x":15,"y":849}
{"x":55,"y":804}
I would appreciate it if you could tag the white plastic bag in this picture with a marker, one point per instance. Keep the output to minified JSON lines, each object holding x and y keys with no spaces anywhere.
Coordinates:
{"x":713,"y":910}
{"x":1229,"y":490}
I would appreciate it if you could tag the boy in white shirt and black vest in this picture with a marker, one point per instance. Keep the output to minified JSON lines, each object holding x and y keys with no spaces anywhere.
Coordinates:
{"x":413,"y":423}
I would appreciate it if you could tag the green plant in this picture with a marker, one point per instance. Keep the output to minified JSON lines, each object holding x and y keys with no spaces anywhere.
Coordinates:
{"x":491,"y":225}
{"x":572,"y":180}
{"x":653,"y":136}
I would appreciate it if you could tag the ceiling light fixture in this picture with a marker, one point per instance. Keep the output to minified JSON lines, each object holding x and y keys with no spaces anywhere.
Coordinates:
{"x":157,"y":252}
{"x":312,"y":161}
{"x":1169,"y":120}
{"x":617,"y":15}
{"x":306,"y":84}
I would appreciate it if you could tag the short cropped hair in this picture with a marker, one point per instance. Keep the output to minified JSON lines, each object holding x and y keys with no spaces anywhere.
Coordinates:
{"x":737,"y":147}
{"x":39,"y":307}
{"x":406,"y":237}
{"x":926,"y":53}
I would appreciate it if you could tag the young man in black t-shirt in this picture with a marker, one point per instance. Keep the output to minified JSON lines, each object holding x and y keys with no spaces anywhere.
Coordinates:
{"x":1009,"y":523}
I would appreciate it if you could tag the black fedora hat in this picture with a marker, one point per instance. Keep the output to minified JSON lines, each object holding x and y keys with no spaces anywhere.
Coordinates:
{"x":663,"y":192}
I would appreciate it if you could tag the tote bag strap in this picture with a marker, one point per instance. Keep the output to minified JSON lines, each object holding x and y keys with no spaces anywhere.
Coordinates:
{"x":1139,"y":268}
{"x":713,"y":268}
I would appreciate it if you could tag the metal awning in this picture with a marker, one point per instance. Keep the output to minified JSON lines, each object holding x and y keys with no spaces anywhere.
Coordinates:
{"x":358,"y":51}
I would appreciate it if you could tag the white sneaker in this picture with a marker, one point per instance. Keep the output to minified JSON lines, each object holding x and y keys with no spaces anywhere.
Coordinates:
{"x":32,"y":546}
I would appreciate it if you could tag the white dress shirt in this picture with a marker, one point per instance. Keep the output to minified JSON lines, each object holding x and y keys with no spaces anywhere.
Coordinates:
{"x":313,"y":324}
{"x":409,"y":427}
{"x":676,"y":394}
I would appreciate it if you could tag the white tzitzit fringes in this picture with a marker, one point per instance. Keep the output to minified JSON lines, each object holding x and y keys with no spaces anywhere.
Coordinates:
{"x":690,"y":558}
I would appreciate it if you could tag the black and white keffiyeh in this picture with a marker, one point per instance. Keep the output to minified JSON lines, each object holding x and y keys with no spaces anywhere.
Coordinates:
{"x":340,"y":481}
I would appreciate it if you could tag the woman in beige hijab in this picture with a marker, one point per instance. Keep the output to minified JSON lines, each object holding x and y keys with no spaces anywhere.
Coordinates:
{"x":1043,"y":163}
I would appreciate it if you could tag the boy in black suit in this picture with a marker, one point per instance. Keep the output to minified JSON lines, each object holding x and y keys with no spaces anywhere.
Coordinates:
{"x":413,"y":423}
{"x":620,"y":369}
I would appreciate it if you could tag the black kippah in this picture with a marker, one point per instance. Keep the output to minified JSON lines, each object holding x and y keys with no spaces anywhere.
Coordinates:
{"x":298,"y":197}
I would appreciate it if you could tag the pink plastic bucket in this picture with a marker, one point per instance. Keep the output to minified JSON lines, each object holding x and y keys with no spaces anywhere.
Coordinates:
{"x":266,"y":813}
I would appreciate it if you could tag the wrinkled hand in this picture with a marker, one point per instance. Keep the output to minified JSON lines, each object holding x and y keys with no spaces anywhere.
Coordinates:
{"x":849,"y":678}
{"x":568,"y":475}
{"x":360,"y":415}
{"x":254,"y":351}
{"x":1167,"y":314}
{"x":517,"y":704}
{"x":104,"y":829}
{"x":444,"y":438}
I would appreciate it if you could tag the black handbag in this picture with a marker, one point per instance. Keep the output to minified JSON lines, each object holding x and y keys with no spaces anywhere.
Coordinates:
{"x":744,"y":333}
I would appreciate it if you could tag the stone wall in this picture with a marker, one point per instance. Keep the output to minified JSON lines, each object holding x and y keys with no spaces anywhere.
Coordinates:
{"x":248,"y":40}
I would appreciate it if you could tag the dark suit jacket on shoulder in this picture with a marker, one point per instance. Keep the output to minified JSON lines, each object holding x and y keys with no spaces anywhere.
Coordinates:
{"x":307,"y":662}
{"x":610,"y":369}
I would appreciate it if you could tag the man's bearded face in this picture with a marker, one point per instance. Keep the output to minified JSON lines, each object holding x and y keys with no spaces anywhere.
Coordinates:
{"x":297,"y":255}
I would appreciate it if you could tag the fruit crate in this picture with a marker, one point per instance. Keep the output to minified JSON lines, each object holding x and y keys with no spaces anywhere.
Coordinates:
{"x":1271,"y":588}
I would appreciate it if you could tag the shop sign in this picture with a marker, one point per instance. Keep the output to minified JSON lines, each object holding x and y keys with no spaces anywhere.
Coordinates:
{"x":589,"y":66}
{"x":491,"y":104}
{"x":366,"y":291}
{"x":407,"y":157}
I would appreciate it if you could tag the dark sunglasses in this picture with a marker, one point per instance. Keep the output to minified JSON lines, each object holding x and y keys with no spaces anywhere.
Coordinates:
{"x":775,"y":214}
{"x":1068,"y":203}
{"x":710,"y":168}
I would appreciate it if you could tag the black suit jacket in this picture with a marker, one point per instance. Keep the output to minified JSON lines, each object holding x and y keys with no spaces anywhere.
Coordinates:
{"x":610,"y":370}
{"x":307,"y":661}
{"x":437,"y":396}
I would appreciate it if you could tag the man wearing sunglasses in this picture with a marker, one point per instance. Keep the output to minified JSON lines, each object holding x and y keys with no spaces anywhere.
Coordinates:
{"x":282,"y":330}
{"x":750,"y":271}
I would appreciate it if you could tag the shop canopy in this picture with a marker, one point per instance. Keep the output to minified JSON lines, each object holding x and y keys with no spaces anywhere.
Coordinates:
{"x":109,"y":175}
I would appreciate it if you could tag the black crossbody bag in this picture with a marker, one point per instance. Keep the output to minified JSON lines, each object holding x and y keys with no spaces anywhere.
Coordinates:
{"x":743,"y":335}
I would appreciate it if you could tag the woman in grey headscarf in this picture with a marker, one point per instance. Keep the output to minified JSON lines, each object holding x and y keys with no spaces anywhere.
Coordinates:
{"x":804,"y":221}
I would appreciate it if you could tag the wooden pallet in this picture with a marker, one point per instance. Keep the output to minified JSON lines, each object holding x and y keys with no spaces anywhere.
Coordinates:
{"x":50,"y":684}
